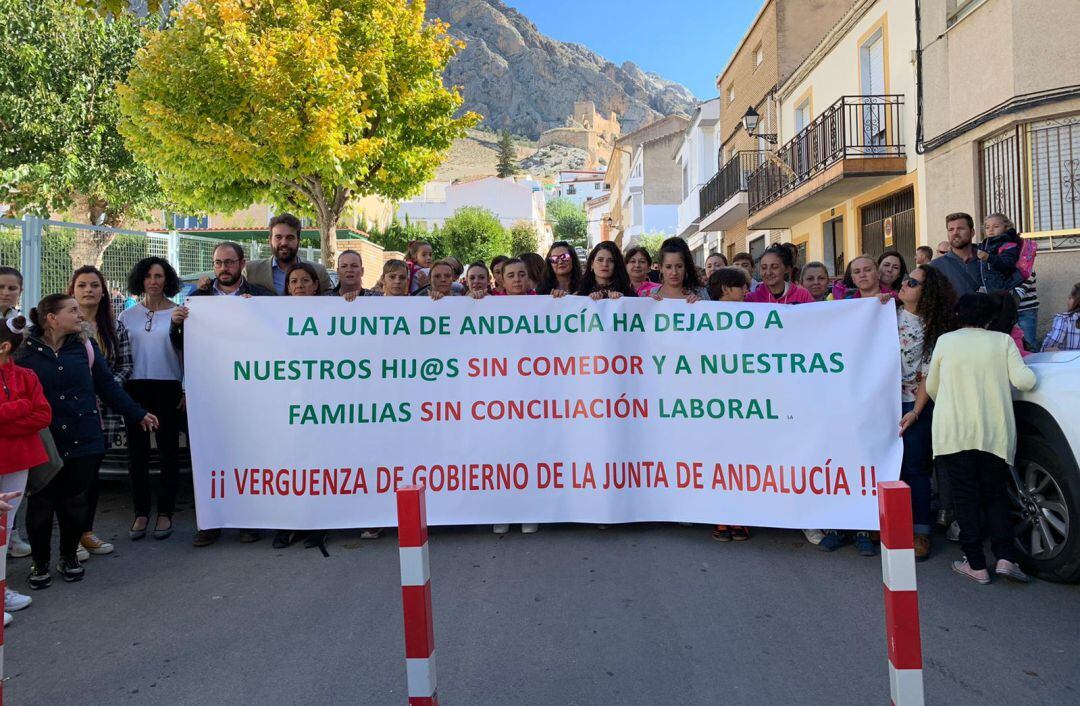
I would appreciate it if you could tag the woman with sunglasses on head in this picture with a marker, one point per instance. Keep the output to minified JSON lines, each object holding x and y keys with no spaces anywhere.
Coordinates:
{"x":639,"y":266}
{"x":563,"y":271}
{"x":678,"y":274}
{"x":605,"y":274}
{"x":155,"y":384}
{"x":89,"y":288}
{"x":73,"y":374}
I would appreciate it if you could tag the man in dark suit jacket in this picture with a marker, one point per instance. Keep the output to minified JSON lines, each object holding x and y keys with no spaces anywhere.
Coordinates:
{"x":285,"y":244}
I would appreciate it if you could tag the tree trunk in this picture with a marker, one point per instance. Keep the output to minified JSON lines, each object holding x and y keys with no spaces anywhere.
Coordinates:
{"x":90,"y":245}
{"x":328,"y":220}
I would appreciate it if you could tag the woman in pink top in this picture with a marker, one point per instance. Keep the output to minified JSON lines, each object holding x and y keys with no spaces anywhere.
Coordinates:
{"x":639,"y":265}
{"x":776,"y":266}
{"x":861,"y":279}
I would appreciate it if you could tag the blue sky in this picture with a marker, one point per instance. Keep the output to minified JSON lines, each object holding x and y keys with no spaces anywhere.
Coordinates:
{"x":688,"y":41}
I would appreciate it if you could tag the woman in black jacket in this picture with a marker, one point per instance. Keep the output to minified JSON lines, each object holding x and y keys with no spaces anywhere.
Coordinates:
{"x":73,"y":374}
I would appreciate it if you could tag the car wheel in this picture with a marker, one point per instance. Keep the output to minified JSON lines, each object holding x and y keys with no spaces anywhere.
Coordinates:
{"x":1046,"y":510}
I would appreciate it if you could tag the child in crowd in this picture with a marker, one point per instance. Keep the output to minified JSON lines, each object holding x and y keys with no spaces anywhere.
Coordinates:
{"x":418,"y":258}
{"x":1065,"y":330}
{"x":999,"y":252}
{"x":24,"y":412}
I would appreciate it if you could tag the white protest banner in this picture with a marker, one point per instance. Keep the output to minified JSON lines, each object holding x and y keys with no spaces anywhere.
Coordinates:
{"x":308,"y":412}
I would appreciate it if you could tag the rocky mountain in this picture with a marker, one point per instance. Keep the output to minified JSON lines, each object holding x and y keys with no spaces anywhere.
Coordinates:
{"x":520,"y":79}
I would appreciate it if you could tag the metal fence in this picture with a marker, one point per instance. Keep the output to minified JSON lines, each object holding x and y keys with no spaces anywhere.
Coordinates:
{"x":47,"y":252}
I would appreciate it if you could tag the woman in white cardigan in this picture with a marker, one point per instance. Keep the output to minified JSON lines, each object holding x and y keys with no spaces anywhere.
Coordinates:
{"x":970,"y":380}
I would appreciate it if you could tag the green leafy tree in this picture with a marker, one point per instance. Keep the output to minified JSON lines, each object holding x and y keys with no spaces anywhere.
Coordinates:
{"x":507,"y":164}
{"x":652,"y":242}
{"x":398,"y":235}
{"x":59,"y":145}
{"x":474,"y":234}
{"x":568,"y":222}
{"x":523,"y":238}
{"x":301,"y":103}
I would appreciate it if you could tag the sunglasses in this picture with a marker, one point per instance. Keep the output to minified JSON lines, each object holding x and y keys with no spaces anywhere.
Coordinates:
{"x":556,"y":259}
{"x":912,"y":282}
{"x":149,"y":320}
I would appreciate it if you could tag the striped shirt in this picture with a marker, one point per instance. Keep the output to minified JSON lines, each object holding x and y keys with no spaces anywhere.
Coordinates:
{"x":1029,"y":297}
{"x":1064,"y":332}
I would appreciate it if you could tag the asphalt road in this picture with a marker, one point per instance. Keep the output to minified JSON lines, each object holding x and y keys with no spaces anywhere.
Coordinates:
{"x":638,"y":614}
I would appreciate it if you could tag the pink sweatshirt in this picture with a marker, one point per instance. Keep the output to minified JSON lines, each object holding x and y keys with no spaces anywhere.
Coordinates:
{"x":793,"y":294}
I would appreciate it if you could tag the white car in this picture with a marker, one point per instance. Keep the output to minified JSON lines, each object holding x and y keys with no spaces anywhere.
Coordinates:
{"x":1047,"y":471}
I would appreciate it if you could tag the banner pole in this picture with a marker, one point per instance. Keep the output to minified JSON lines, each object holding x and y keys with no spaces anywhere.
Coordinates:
{"x":901,"y":594}
{"x":416,"y":596}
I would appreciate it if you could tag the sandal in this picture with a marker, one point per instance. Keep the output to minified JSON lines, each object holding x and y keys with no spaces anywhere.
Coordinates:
{"x":722,"y":533}
{"x":372,"y":533}
{"x":137,"y":534}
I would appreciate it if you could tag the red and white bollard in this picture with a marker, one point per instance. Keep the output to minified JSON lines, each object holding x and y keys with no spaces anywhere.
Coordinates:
{"x":901,"y":594}
{"x":416,"y":596}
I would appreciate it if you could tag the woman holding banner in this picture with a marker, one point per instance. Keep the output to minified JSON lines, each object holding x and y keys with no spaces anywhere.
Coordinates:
{"x":563,"y":272}
{"x":516,"y":280}
{"x":302,"y":280}
{"x":776,"y":266}
{"x":478,"y":280}
{"x":861,"y":279}
{"x":678,"y":273}
{"x":638,"y":266}
{"x":605,"y":274}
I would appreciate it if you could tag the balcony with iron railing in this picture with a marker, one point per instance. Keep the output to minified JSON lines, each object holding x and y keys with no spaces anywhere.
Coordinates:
{"x":723,"y":200}
{"x":854,"y":145}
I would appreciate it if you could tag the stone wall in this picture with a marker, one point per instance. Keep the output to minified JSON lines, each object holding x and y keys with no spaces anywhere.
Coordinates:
{"x":571,"y":137}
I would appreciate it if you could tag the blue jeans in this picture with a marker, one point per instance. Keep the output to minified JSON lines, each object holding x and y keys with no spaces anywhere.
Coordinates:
{"x":1029,"y":323}
{"x":915,"y":468}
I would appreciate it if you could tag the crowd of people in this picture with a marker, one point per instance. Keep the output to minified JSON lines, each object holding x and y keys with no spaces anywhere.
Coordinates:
{"x":78,"y":379}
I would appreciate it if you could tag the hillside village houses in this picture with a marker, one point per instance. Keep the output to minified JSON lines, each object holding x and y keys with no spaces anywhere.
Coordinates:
{"x":511,"y":199}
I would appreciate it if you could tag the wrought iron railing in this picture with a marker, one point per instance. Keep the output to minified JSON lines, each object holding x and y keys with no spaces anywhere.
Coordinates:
{"x":730,"y":180}
{"x":852,"y":127}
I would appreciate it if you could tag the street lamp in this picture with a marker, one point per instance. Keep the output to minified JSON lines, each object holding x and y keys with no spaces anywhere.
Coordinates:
{"x":750,"y":122}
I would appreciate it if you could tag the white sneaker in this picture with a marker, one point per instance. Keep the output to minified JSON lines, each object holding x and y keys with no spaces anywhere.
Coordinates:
{"x":500,"y":529}
{"x":814,"y":536}
{"x":529,"y":527}
{"x":953,"y":533}
{"x":81,"y":554}
{"x":17,"y":547}
{"x":13,"y":600}
{"x":7,"y":618}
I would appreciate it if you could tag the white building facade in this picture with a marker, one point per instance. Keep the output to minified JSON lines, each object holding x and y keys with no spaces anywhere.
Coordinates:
{"x":512,"y":201}
{"x":579,"y":186}
{"x":697,"y":158}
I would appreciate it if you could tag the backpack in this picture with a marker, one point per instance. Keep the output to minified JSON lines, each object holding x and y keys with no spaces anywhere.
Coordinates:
{"x":1026,"y":263}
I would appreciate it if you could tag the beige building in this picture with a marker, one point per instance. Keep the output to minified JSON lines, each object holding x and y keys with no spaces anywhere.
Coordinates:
{"x":781,"y":36}
{"x":644,"y":181}
{"x":846,"y":176}
{"x":1001,"y":125}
